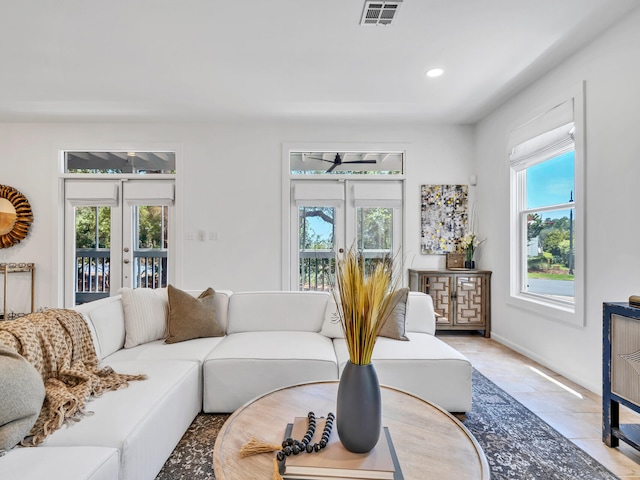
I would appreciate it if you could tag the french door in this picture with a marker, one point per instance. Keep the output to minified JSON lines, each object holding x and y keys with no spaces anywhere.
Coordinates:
{"x":116,"y":235}
{"x":329,"y":217}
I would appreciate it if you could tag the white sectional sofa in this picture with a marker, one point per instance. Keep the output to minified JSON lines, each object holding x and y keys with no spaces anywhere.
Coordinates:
{"x":272,"y":339}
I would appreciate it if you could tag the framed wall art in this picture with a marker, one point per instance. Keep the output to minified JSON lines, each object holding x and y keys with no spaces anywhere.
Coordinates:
{"x":444,"y":215}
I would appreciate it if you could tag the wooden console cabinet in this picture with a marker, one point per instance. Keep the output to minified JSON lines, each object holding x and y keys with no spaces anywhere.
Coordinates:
{"x":620,"y":372}
{"x":461,"y":298}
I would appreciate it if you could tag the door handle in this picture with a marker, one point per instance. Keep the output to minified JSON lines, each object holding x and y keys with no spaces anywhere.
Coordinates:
{"x":126,"y":260}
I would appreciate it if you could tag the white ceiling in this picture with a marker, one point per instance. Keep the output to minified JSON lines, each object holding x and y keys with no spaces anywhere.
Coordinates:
{"x":201,"y":60}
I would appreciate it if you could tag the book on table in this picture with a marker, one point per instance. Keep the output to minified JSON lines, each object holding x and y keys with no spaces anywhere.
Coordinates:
{"x":336,"y":462}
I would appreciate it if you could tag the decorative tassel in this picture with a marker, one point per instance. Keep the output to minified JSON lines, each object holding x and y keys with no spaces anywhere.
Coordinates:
{"x":255,"y":446}
{"x":276,"y":470}
{"x":290,"y":446}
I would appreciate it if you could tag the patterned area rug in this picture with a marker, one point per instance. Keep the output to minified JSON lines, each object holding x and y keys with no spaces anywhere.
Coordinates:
{"x":192,"y":457}
{"x":517,"y":443}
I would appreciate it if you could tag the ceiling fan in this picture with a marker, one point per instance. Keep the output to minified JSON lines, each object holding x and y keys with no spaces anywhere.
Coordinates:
{"x":338,"y":161}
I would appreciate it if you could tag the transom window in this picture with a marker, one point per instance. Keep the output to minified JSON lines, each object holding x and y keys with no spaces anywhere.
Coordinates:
{"x":346,"y":163}
{"x":120,"y":162}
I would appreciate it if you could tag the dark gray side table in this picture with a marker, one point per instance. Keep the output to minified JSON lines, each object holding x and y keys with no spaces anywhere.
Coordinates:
{"x":620,"y":372}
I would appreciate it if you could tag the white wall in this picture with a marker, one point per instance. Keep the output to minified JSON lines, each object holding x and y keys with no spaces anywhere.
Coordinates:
{"x":231,"y":184}
{"x":611,"y":68}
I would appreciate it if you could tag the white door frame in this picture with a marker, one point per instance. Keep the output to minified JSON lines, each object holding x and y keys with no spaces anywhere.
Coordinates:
{"x":82,"y":192}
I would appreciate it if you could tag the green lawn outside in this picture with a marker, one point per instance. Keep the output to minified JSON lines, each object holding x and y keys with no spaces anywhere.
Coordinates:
{"x":550,"y":276}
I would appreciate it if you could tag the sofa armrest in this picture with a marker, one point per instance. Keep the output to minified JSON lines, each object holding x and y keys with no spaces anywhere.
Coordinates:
{"x":107,"y":318}
{"x":420,"y":316}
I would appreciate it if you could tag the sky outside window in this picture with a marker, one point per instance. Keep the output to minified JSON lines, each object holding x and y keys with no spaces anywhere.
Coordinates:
{"x":551,"y":182}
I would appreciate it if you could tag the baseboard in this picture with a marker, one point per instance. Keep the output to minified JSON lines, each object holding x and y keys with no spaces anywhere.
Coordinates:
{"x":595,"y":388}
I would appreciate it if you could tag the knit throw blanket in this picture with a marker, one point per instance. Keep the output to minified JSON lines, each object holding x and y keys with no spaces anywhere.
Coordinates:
{"x":58,"y":344}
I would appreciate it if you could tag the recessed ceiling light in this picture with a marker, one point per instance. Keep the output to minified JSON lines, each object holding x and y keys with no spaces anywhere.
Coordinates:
{"x":434,"y":72}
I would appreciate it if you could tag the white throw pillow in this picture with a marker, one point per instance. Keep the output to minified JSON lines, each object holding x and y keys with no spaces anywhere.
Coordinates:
{"x":146,"y":313}
{"x":332,"y":326}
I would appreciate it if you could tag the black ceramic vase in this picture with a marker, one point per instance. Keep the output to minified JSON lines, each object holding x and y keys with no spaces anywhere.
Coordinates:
{"x":470,"y":264}
{"x":359,"y":408}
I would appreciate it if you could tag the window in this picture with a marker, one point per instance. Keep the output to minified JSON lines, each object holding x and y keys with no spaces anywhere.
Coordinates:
{"x":547,"y":202}
{"x":327,"y":217}
{"x":115,"y":163}
{"x":346,"y":163}
{"x":121,"y":233}
{"x":317,"y":247}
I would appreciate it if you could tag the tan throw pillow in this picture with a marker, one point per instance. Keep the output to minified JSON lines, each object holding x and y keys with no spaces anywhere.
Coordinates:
{"x":145,"y":315}
{"x":394,"y":325}
{"x":191,"y":317}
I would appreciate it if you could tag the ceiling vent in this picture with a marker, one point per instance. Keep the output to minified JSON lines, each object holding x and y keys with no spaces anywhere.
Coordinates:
{"x":379,"y":13}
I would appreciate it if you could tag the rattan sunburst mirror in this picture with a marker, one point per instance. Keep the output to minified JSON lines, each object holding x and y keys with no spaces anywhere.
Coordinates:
{"x":15,"y":216}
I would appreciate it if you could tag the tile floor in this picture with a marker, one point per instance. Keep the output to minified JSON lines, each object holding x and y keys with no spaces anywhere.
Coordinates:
{"x":574,"y":412}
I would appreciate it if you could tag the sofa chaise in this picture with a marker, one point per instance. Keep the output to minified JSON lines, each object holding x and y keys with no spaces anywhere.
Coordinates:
{"x":266,"y":340}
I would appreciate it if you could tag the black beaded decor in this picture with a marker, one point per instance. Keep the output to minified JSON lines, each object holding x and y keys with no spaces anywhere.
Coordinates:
{"x":291,"y":446}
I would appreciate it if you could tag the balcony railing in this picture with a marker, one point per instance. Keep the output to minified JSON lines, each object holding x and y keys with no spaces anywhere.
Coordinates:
{"x":150,"y":268}
{"x":317,"y":269}
{"x":93,"y":272}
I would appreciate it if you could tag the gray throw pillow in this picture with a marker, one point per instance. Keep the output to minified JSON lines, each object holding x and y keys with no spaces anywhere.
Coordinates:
{"x":394,"y":324}
{"x":191,"y":317}
{"x":21,"y":398}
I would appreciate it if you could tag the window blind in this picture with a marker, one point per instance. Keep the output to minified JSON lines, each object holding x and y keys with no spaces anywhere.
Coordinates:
{"x":367,"y":194}
{"x":140,"y":192}
{"x":319,"y":192}
{"x":85,"y":193}
{"x":546,"y":135}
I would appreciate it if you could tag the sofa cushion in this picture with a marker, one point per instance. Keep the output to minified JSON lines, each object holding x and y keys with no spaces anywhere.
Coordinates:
{"x":21,"y":396}
{"x":425,"y":366}
{"x":60,"y":463}
{"x":285,"y":311}
{"x":107,"y":318}
{"x":93,"y":332}
{"x":247,"y":364}
{"x":195,"y":350}
{"x":144,"y":421}
{"x":145,"y":315}
{"x":191,"y":317}
{"x":221,"y":300}
{"x":394,"y":324}
{"x":420,"y":315}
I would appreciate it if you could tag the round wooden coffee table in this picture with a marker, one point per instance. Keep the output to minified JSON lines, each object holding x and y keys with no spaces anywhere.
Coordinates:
{"x":430,"y":443}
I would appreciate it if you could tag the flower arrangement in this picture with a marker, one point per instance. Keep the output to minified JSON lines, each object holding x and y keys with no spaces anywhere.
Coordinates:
{"x":469,"y":243}
{"x":364,"y":301}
